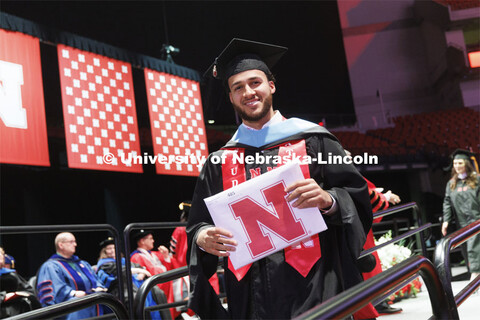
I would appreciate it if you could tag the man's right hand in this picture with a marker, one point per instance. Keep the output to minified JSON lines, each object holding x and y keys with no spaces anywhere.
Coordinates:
{"x":216,"y":241}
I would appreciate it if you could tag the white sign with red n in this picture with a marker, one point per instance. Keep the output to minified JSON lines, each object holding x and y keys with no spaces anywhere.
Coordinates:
{"x":261,"y":220}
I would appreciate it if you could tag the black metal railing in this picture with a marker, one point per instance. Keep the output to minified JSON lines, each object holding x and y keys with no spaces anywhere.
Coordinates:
{"x":395,"y":209}
{"x":353,"y":299}
{"x":76,"y":228}
{"x":442,"y":262}
{"x":73,"y":305}
{"x":142,"y":292}
{"x":126,"y":237}
{"x":467,"y":291}
{"x":416,"y":217}
{"x":396,"y":239}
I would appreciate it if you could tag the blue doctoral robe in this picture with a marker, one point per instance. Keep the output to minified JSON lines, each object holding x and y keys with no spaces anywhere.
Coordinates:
{"x":58,"y":277}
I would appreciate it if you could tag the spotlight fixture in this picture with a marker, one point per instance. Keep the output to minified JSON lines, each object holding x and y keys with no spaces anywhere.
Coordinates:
{"x":168,"y":51}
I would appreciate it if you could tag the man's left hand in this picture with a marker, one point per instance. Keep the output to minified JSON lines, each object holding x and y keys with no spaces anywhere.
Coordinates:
{"x":308,"y":194}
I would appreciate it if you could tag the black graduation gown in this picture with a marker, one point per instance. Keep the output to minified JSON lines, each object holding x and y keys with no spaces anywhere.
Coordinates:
{"x":272,"y":289}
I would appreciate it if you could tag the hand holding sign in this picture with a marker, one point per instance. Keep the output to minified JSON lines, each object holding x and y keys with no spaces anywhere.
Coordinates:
{"x":309,"y":195}
{"x":257,"y":215}
{"x":216,"y":241}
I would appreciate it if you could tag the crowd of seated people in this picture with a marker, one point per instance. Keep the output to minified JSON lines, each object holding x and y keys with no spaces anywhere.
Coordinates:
{"x":64,"y":277}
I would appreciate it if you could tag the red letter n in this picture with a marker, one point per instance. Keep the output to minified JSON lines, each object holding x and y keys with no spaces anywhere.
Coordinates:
{"x":255,"y":219}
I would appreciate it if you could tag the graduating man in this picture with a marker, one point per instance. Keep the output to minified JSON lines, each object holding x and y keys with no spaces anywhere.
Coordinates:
{"x":291,"y":281}
{"x":64,"y":277}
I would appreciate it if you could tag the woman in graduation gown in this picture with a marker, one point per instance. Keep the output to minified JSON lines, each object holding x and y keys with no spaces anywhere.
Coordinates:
{"x":462,"y":200}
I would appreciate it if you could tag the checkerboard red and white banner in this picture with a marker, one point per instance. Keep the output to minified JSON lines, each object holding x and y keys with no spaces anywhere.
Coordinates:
{"x":23,"y":131}
{"x":176,"y":119}
{"x":99,"y":111}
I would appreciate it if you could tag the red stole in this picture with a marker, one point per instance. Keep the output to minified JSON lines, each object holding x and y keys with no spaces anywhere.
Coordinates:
{"x":301,"y":257}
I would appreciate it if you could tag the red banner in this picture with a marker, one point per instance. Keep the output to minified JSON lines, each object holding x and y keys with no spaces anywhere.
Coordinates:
{"x":23,"y":131}
{"x":176,"y":119}
{"x":101,"y":128}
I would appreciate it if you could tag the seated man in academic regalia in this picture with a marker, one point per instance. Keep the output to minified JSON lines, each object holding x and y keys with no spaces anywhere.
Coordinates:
{"x":64,"y":277}
{"x":154,"y":262}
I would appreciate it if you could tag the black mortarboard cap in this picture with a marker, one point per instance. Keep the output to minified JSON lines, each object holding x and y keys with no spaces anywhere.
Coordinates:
{"x":242,"y":55}
{"x":106,"y":242}
{"x":141,"y":233}
{"x":461,"y":154}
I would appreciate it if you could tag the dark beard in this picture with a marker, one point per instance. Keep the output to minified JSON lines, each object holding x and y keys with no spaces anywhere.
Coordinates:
{"x":266,"y":108}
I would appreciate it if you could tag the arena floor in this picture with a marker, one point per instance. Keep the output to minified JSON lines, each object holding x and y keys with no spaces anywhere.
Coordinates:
{"x":420,"y":308}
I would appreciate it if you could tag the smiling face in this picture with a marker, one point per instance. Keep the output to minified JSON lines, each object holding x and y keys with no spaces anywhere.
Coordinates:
{"x":110,"y":251}
{"x":251,"y":96}
{"x":459,"y":166}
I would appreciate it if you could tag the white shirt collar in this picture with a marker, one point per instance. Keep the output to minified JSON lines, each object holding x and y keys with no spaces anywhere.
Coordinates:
{"x":277,"y":117}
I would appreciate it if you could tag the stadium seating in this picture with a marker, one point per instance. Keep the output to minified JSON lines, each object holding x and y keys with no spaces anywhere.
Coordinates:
{"x":459,"y":4}
{"x":418,"y":137}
